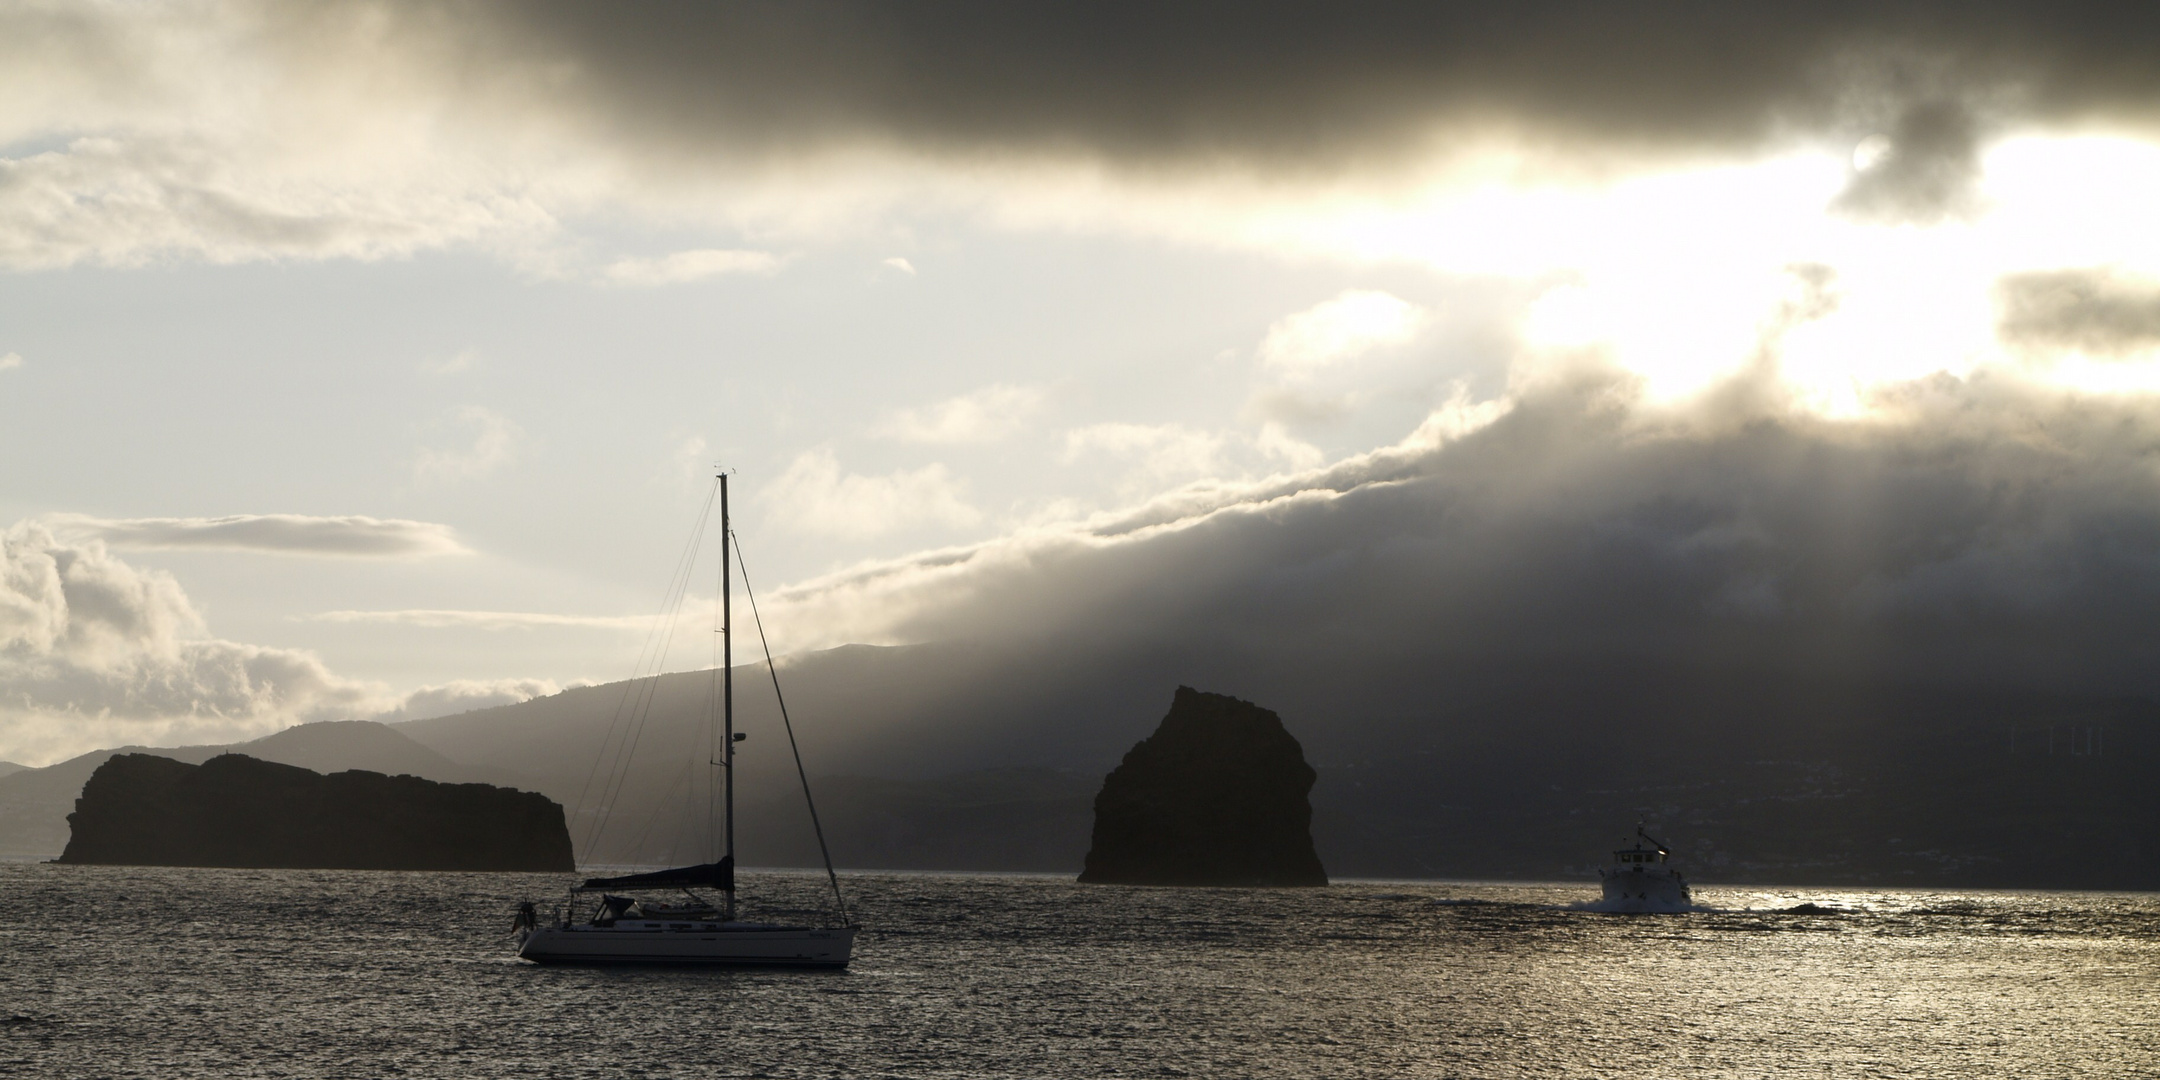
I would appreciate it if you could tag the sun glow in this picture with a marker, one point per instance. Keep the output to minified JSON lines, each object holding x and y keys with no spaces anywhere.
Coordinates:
{"x":1688,"y":277}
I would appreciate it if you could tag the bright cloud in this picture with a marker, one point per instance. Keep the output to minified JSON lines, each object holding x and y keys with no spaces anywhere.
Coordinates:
{"x":690,"y":462}
{"x":891,"y":600}
{"x":96,"y":652}
{"x":92,"y":649}
{"x":1276,"y":442}
{"x":684,"y":266}
{"x":455,"y":364}
{"x":204,"y":131}
{"x":1339,"y":330}
{"x":1996,"y":520}
{"x":1194,"y":449}
{"x":128,"y":201}
{"x":465,"y":695}
{"x":984,"y":416}
{"x":226,"y":132}
{"x":283,"y":534}
{"x":1687,"y":276}
{"x":815,"y":496}
{"x":494,"y":444}
{"x":1737,"y":251}
{"x":437,"y":618}
{"x":1154,"y":455}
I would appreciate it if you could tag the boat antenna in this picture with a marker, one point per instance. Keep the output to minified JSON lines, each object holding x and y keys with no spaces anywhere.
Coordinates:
{"x":728,"y":537}
{"x":1654,"y":841}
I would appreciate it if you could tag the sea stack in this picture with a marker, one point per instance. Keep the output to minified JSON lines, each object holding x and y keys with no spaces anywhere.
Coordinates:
{"x":233,"y":810}
{"x":1217,"y":796}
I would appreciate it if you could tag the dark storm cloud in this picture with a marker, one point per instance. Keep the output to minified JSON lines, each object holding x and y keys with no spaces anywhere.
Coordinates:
{"x":2096,"y":310}
{"x":1298,"y":85}
{"x":1993,"y":536}
{"x":1581,"y":577}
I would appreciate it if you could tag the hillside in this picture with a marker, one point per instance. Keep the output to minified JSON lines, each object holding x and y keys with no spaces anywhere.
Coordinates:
{"x":944,"y":757}
{"x":974,"y":757}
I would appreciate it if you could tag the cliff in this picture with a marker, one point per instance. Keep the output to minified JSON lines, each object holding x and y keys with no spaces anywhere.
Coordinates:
{"x":232,"y":810}
{"x":1216,"y":796}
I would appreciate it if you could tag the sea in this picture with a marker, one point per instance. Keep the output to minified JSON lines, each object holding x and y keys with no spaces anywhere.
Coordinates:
{"x":162,"y":972}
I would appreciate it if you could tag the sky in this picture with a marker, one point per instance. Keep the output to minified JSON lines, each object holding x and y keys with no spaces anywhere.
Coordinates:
{"x":373,"y":360}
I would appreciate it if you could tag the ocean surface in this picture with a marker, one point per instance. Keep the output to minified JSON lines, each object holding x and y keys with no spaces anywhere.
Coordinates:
{"x":116,"y":971}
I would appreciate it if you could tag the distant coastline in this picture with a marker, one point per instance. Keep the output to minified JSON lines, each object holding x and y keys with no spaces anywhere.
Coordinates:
{"x":236,"y":811}
{"x":1925,"y":788}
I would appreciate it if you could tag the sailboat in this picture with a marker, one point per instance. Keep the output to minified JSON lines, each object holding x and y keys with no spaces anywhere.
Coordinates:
{"x":687,"y":914}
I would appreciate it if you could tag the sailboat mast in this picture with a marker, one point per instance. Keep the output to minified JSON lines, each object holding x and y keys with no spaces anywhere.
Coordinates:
{"x":727,"y":690}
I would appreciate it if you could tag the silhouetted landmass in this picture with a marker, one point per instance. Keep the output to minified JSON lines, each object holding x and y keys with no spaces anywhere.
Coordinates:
{"x":1474,"y":768}
{"x":1217,"y":796}
{"x":35,"y":803}
{"x":1756,"y":781}
{"x":981,"y":758}
{"x":233,"y":810}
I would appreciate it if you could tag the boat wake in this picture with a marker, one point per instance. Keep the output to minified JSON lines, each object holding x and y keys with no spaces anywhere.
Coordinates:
{"x":1637,"y":907}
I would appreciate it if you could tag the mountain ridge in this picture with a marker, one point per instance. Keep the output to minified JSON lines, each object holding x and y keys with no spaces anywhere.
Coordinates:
{"x":1523,"y":767}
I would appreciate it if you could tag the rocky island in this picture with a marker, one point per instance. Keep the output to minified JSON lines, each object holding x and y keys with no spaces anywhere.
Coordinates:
{"x":237,"y":811}
{"x":1218,"y":795}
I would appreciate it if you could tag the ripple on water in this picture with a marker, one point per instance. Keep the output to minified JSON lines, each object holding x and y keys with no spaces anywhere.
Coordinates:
{"x":174,"y":972}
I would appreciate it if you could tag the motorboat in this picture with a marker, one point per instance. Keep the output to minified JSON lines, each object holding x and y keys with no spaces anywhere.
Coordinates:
{"x":1641,"y":879}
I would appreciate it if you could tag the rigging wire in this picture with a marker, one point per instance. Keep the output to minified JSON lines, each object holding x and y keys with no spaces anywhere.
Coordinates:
{"x":637,"y":847}
{"x":648,"y":691}
{"x":635,"y":705}
{"x":774,"y":671}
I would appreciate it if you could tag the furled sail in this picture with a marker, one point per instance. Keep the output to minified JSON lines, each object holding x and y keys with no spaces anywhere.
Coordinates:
{"x":714,"y":875}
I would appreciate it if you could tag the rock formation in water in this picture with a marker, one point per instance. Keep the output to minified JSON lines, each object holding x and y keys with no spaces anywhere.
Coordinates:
{"x":234,"y":810}
{"x":1217,"y":796}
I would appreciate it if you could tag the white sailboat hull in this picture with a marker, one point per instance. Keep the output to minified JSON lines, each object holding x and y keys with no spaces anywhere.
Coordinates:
{"x":658,"y":943}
